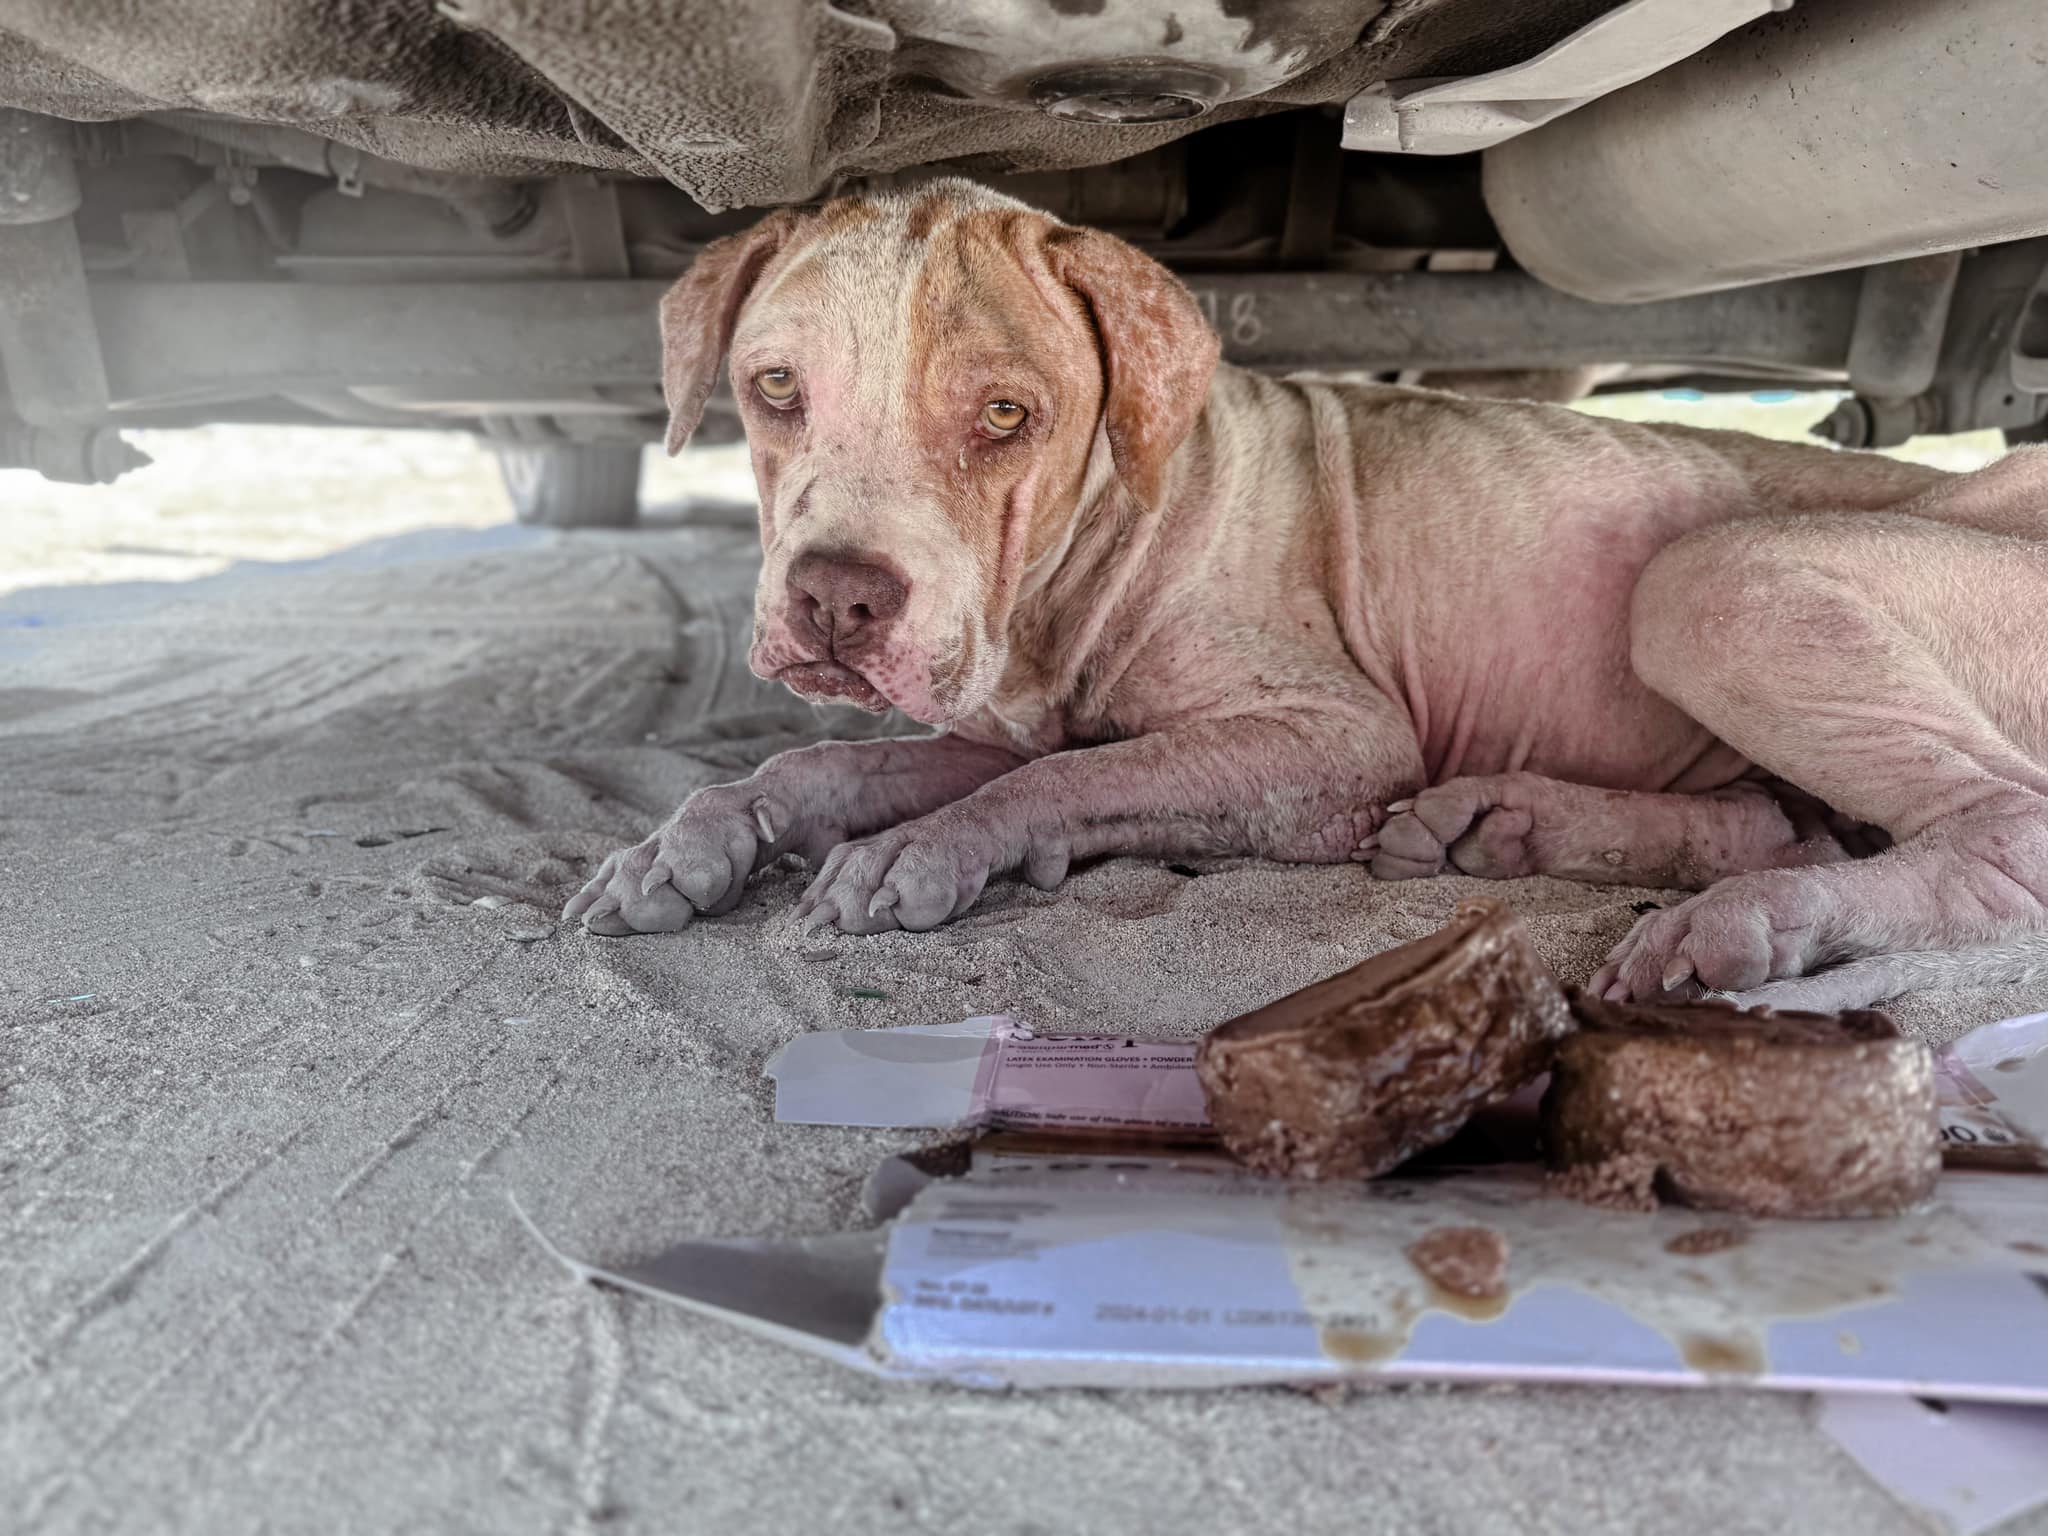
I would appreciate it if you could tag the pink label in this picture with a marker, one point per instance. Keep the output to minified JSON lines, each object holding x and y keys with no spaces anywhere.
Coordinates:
{"x":1972,"y":1128}
{"x":1089,"y":1082}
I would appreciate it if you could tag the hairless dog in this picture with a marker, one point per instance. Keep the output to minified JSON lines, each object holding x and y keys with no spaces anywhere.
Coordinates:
{"x":1159,"y":605}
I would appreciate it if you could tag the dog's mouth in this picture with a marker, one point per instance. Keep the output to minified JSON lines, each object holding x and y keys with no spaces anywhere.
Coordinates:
{"x":833,"y":680}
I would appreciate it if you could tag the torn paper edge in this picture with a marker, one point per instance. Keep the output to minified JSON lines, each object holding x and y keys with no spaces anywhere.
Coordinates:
{"x":801,"y":1270}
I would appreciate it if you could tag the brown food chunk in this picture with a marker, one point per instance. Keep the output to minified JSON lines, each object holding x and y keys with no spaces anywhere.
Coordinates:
{"x":1353,"y":1075}
{"x":1468,"y":1262}
{"x":1773,"y":1114}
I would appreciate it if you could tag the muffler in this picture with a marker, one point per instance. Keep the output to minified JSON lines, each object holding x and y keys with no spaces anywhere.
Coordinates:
{"x":1836,"y":134}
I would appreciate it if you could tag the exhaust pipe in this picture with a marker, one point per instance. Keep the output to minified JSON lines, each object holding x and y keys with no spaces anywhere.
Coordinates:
{"x":1837,"y":134}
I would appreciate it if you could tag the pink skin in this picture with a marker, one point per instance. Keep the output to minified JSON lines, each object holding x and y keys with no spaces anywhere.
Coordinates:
{"x":1132,"y":797}
{"x":807,"y":802}
{"x":894,"y":671}
{"x":1361,"y":623}
{"x":900,"y":678}
{"x":1507,"y":826}
{"x":880,"y":667}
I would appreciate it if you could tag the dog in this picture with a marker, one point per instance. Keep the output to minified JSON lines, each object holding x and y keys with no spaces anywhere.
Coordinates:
{"x":1158,"y":605}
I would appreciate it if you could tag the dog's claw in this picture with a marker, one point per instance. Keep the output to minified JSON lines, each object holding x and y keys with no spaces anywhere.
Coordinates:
{"x":1607,"y":985}
{"x":882,"y":901}
{"x":821,"y":916}
{"x":1677,"y":973}
{"x":656,"y":878}
{"x":763,"y":821}
{"x":1398,"y":806}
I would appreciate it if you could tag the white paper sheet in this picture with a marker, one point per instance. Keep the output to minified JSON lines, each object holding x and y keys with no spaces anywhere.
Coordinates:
{"x":1964,"y":1466}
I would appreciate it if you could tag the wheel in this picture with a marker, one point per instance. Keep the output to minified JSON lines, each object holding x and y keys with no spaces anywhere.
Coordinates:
{"x":572,"y":485}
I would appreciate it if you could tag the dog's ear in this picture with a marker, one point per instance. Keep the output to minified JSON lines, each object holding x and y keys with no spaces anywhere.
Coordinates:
{"x":698,"y":313}
{"x":1158,"y":352}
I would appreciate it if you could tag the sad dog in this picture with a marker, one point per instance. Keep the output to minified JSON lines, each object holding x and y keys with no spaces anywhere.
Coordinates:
{"x":1155,"y":604}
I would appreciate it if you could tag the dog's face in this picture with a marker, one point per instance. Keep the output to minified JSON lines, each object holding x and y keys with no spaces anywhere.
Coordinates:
{"x":932,"y":384}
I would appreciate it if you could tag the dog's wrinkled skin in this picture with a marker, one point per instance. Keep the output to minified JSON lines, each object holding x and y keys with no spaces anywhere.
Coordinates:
{"x":1186,"y":610}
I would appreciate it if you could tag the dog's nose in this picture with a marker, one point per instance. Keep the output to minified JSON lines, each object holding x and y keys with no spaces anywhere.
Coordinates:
{"x":838,"y":595}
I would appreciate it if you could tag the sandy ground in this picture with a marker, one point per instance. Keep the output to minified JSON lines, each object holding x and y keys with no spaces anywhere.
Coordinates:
{"x":271,"y":1072}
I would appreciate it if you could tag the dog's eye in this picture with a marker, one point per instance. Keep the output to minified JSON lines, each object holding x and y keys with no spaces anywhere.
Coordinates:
{"x":1003,"y":417}
{"x":777,"y":385}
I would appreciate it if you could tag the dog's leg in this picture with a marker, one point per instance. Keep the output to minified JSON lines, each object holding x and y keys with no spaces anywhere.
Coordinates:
{"x":805,"y":802}
{"x":1300,"y":787}
{"x":1893,"y":667}
{"x":1876,"y":978}
{"x":1505,"y":826}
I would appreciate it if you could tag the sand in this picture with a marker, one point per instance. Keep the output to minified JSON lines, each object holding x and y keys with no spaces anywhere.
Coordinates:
{"x":277,"y":1043}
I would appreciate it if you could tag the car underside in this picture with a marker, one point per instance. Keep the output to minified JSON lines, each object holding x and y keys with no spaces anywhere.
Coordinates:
{"x":463,"y":216}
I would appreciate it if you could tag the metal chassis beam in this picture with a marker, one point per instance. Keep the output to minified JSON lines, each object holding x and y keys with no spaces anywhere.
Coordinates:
{"x":174,"y":344}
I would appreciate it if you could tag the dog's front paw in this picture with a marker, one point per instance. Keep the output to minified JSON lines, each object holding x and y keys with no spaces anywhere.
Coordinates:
{"x":696,"y":865}
{"x":915,"y":877}
{"x":1476,"y":826}
{"x":1733,"y":937}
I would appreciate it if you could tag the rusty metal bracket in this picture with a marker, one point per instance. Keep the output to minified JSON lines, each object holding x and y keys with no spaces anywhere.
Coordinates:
{"x":49,"y":348}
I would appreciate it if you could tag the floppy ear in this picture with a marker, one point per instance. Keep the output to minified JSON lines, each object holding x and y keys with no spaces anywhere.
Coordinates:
{"x":698,"y":313}
{"x":1158,"y":353}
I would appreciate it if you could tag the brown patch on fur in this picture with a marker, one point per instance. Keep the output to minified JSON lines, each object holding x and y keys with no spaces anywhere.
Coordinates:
{"x":699,"y":312}
{"x":925,"y":217}
{"x":1158,"y":352}
{"x":977,"y":299}
{"x":844,"y":213}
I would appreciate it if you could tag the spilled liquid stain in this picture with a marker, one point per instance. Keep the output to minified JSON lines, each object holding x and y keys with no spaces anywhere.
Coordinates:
{"x":1713,"y":1287}
{"x":1740,"y":1355}
{"x":1474,"y":1309}
{"x":1355,"y":1348}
